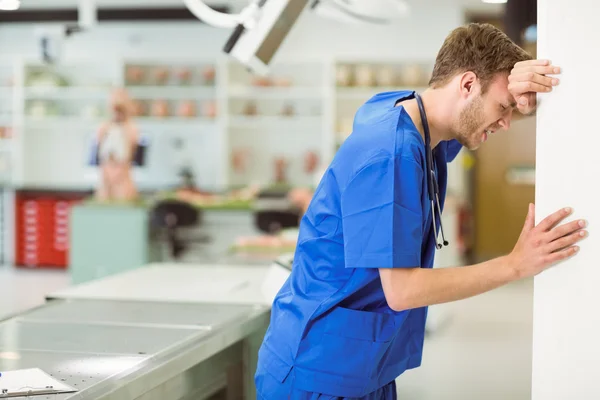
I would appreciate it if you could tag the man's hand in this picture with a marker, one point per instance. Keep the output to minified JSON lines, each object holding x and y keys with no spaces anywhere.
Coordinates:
{"x":541,"y":246}
{"x":527,"y":79}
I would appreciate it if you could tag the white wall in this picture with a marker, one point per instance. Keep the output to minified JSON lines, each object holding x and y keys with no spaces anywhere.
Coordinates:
{"x":566,"y":350}
{"x":417,"y":38}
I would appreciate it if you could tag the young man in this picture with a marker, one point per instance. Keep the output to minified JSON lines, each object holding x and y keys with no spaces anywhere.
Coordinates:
{"x":351,"y":317}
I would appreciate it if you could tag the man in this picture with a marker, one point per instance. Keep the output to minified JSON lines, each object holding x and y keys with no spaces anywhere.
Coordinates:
{"x":351,"y":317}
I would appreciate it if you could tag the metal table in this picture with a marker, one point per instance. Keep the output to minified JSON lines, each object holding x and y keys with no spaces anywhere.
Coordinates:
{"x":145,"y":343}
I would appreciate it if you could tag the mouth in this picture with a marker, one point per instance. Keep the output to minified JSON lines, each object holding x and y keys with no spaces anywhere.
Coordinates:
{"x":486,"y":133}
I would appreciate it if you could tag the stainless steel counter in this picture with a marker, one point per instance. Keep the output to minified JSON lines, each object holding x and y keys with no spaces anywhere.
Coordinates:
{"x":146,"y":350}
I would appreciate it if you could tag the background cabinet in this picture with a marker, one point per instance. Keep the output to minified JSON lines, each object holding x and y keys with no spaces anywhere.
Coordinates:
{"x":42,"y":228}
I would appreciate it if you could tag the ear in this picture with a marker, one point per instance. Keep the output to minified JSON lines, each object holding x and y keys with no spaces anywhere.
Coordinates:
{"x":469,"y":84}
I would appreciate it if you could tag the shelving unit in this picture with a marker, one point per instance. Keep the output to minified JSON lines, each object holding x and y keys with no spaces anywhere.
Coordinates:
{"x":232,"y":127}
{"x":274,"y":123}
{"x":211,"y":116}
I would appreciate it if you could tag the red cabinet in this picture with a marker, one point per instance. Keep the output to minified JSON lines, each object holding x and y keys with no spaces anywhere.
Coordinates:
{"x":42,"y":228}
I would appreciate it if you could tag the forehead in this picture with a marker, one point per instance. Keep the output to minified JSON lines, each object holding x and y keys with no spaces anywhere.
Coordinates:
{"x":498,"y":89}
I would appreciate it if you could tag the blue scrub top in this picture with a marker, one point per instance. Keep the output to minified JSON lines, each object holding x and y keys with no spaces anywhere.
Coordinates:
{"x":330,"y":322}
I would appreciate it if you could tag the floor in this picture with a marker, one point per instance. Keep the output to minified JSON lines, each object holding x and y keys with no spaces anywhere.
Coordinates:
{"x":479,"y":348}
{"x":482,"y":351}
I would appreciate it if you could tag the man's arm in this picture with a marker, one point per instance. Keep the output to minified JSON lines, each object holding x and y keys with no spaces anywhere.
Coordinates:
{"x":538,"y":248}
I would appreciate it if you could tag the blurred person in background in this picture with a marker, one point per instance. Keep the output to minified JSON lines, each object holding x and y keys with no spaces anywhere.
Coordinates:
{"x":351,"y":317}
{"x":117,"y":143}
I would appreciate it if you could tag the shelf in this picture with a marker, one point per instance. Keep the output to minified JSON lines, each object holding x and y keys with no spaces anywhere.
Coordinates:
{"x":170,"y":92}
{"x":175,"y":120}
{"x":245,"y":122}
{"x":67,"y":93}
{"x":365,"y":93}
{"x":276,"y":92}
{"x":42,"y":122}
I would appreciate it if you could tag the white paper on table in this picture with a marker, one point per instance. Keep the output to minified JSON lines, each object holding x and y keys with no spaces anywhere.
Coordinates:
{"x":30,"y":382}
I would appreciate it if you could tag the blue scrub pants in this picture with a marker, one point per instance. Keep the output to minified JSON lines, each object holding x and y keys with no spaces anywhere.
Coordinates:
{"x":268,"y":388}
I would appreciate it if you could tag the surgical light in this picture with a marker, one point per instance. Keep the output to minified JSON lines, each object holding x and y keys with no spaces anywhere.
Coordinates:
{"x":10,"y":5}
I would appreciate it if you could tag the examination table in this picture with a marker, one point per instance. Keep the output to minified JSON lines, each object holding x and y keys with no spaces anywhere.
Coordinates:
{"x":163,"y":331}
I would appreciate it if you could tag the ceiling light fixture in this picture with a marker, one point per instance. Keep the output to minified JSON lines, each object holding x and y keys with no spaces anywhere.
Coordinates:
{"x":494,"y":1}
{"x":10,"y":5}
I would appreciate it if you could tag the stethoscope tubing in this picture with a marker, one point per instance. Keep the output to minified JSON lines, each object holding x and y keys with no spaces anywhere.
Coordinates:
{"x":433,"y":190}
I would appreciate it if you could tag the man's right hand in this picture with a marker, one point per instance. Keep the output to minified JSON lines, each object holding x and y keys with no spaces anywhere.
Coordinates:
{"x":528,"y":78}
{"x":541,"y":246}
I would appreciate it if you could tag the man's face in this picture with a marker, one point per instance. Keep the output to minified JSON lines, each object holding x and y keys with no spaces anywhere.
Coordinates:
{"x":484,"y":114}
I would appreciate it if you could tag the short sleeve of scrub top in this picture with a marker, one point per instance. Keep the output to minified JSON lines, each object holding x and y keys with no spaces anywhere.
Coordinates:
{"x":382,"y":214}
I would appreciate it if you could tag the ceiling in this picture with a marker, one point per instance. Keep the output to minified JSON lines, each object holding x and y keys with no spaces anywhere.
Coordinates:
{"x":468,"y":5}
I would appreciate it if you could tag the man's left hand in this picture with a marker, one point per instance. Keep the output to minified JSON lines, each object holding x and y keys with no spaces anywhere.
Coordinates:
{"x":528,"y":78}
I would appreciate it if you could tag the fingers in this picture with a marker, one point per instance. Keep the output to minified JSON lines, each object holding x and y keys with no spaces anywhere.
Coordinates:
{"x":566,"y":241}
{"x":526,"y":63}
{"x":532,"y":77}
{"x":566,"y":229}
{"x":530,"y":219}
{"x":526,"y":103}
{"x":519,"y":88}
{"x":543,"y":70}
{"x":562,"y":254}
{"x":553,"y":219}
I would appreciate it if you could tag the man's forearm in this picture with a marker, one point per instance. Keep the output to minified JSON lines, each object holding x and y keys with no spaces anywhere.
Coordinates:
{"x":417,"y":287}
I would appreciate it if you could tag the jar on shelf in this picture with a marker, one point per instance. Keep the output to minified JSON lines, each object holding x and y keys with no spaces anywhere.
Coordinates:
{"x":288,"y":110}
{"x":209,"y":74}
{"x":161,"y":75}
{"x":364,"y":76}
{"x":160,"y":109}
{"x":240,"y":158}
{"x":134,"y":75}
{"x":250,"y":109}
{"x":311,"y":161}
{"x":343,"y":75}
{"x":138,"y":108}
{"x":209,"y":109}
{"x":187,"y":109}
{"x":386,"y":75}
{"x":183,"y":75}
{"x":412,"y":75}
{"x":280,"y":168}
{"x":261,"y":81}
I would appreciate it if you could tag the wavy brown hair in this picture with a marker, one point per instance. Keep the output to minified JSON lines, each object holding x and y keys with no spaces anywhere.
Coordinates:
{"x":481,"y":48}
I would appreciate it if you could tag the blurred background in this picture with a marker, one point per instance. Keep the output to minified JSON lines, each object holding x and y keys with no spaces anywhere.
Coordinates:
{"x":227,"y":159}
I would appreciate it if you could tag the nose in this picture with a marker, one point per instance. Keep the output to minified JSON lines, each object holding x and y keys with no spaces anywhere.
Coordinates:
{"x":504,"y":122}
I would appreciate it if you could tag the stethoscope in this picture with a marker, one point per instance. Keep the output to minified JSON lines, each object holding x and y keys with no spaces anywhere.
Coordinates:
{"x":432,"y":184}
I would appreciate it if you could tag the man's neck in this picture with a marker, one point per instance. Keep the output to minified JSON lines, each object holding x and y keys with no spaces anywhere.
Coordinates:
{"x":436,"y":108}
